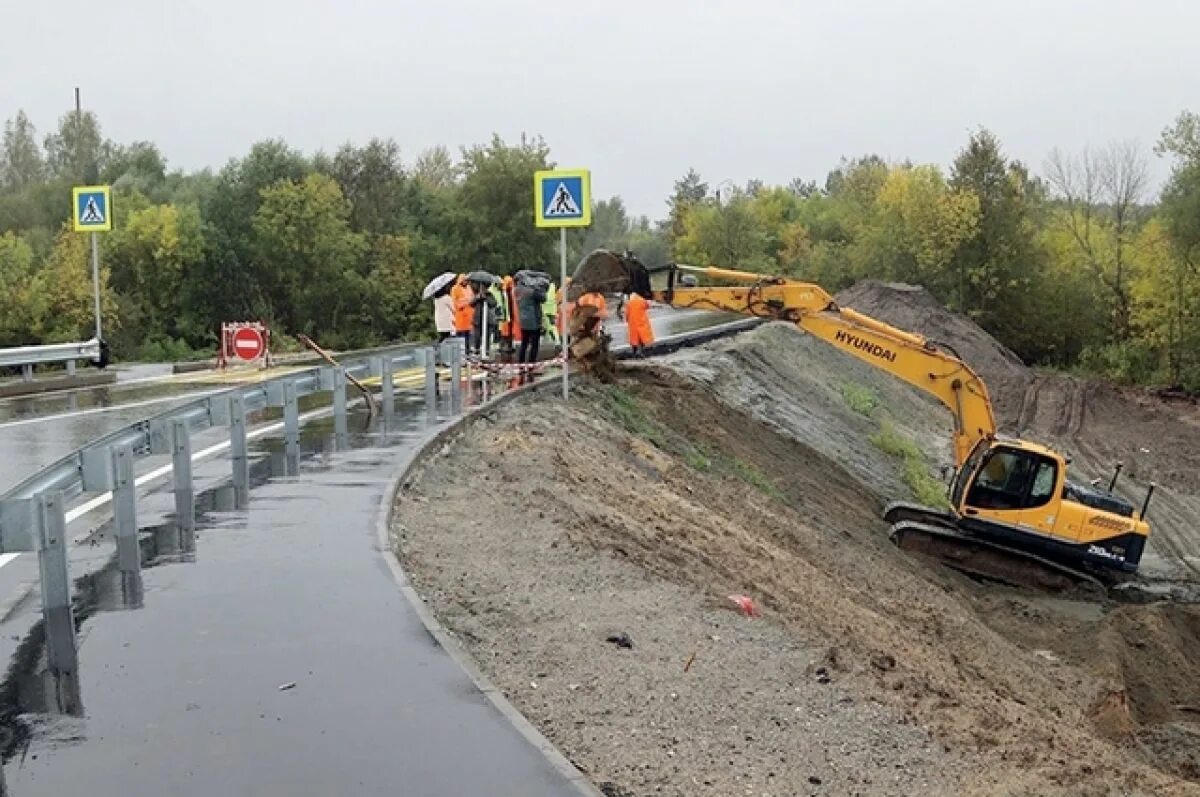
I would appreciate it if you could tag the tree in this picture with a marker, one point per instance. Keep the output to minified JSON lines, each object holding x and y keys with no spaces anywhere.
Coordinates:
{"x":1182,"y":139}
{"x":227,"y":284}
{"x":150,"y":252}
{"x":997,"y":269}
{"x":690,"y":191}
{"x":136,"y":167}
{"x":372,"y":178}
{"x":308,"y":258}
{"x":1100,"y":193}
{"x":729,"y":235}
{"x":496,"y":226}
{"x":20,"y":159}
{"x":16,"y":277}
{"x":1167,"y":306}
{"x":435,"y":169}
{"x":76,"y":151}
{"x":61,"y":293}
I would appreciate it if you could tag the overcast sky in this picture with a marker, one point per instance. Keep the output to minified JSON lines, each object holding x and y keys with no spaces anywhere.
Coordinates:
{"x":636,"y":91}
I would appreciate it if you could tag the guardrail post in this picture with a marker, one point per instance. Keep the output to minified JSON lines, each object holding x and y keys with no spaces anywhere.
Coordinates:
{"x":26,"y":373}
{"x":431,"y":385}
{"x":387,"y":386}
{"x":339,"y":401}
{"x":125,"y":510}
{"x":456,"y":358}
{"x":237,"y":451}
{"x":181,"y":471}
{"x":51,"y":518}
{"x":70,"y":368}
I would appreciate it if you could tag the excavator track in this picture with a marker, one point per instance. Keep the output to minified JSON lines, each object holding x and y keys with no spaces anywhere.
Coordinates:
{"x":932,"y":533}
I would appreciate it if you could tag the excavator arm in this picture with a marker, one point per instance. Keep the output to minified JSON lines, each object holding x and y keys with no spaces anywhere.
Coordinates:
{"x":932,"y":368}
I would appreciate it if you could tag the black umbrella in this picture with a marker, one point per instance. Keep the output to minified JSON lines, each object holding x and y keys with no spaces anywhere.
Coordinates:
{"x":485,"y":277}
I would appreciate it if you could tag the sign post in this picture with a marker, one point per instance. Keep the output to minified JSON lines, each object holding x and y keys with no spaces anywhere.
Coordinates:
{"x":562,"y":198}
{"x":92,"y":212}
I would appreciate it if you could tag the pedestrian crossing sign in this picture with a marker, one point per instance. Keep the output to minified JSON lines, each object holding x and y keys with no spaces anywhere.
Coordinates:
{"x":562,"y":198}
{"x":92,"y":208}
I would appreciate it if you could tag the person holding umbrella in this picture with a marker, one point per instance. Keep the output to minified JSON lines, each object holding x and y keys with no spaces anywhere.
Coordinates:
{"x":438,"y":290}
{"x":464,"y":310}
{"x":484,"y":308}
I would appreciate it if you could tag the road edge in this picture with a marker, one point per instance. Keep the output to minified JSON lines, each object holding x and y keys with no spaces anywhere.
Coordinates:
{"x":434,"y":443}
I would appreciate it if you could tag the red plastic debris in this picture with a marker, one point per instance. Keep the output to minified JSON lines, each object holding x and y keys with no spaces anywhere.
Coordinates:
{"x":746,"y":604}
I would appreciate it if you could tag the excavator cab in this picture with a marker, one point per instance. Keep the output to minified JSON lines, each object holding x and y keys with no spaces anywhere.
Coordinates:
{"x":1016,"y":493}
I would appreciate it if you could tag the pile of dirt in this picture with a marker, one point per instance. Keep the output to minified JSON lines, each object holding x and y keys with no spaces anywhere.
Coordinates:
{"x":914,"y":309}
{"x":748,"y":468}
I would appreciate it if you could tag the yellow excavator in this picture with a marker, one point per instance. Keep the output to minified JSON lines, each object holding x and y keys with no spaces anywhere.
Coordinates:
{"x":1013,"y":515}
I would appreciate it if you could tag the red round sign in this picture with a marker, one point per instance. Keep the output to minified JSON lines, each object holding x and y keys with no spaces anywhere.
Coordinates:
{"x":247,"y":343}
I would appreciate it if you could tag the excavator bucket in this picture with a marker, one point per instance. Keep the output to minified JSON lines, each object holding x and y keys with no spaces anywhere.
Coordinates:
{"x":609,"y":273}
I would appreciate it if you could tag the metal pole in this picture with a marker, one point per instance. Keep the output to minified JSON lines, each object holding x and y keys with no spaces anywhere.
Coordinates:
{"x":431,"y":377}
{"x":387,"y":386}
{"x":340,"y":427}
{"x":125,"y":510}
{"x":96,"y":278}
{"x":562,"y":305}
{"x":238,"y":454}
{"x":55,"y":579}
{"x":181,"y":470}
{"x":483,"y":334}
{"x":456,"y":358}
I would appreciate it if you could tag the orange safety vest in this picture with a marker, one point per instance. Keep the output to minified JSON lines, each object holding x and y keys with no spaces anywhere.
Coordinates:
{"x":637,"y":318}
{"x":464,"y":313}
{"x":596,"y":300}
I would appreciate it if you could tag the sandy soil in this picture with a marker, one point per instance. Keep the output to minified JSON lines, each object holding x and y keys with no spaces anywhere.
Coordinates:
{"x":740,"y":468}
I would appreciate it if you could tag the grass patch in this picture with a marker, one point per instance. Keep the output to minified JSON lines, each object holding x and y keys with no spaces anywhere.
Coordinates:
{"x":860,"y":398}
{"x":925,"y":488}
{"x":756,"y":479}
{"x":631,"y":415}
{"x":697,"y":458}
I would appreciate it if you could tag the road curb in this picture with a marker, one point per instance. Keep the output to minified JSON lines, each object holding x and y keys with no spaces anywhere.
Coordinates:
{"x":434,"y":443}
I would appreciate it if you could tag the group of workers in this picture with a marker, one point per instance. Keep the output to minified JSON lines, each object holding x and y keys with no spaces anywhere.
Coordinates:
{"x":511,"y":316}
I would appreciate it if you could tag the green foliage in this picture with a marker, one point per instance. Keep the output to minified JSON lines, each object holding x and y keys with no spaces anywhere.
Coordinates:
{"x":860,"y":398}
{"x":631,"y":414}
{"x":747,"y":472}
{"x":915,"y":468}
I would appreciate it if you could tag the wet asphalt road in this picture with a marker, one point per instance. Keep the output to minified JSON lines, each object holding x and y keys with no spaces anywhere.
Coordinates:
{"x":180,"y":669}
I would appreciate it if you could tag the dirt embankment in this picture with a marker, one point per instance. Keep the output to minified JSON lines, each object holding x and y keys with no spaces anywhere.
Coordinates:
{"x":749,"y":467}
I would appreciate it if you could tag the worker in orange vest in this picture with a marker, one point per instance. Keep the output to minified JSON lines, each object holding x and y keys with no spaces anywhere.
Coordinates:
{"x":595,"y":299}
{"x":464,"y":310}
{"x":637,"y":319}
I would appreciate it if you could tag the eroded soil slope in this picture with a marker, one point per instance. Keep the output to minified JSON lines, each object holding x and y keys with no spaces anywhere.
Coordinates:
{"x":749,"y":467}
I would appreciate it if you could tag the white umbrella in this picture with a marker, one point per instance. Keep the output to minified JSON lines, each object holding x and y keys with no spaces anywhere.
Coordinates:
{"x":437,"y":284}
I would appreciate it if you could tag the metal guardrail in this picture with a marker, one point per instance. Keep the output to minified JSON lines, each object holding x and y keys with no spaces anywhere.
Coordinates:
{"x":26,"y":357}
{"x":33,"y":515}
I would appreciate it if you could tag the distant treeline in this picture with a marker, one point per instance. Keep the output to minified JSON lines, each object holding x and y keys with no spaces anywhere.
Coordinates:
{"x":1079,"y":267}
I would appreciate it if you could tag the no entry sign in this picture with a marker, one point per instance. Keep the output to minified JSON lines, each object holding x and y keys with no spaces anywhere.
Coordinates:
{"x":248,"y":344}
{"x":244,"y":342}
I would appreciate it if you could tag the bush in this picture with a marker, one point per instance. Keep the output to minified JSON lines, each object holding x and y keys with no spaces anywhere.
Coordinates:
{"x":860,"y":398}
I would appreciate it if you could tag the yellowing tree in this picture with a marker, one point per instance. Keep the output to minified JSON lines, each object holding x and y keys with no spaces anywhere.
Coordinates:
{"x":61,"y":293}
